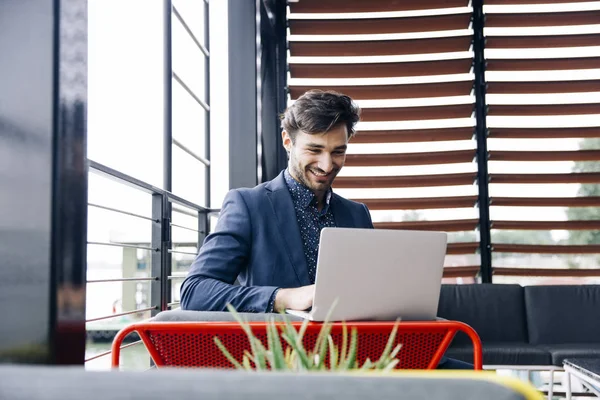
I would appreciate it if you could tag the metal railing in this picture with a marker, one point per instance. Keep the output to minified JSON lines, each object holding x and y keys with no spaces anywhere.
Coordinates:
{"x":161,"y":276}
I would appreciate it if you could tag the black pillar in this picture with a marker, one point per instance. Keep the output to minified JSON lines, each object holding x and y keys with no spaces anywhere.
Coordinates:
{"x":43,"y":183}
{"x":485,"y":245}
{"x":273,"y":94}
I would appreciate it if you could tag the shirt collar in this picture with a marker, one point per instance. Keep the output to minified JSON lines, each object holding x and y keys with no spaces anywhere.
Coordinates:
{"x":303,"y":195}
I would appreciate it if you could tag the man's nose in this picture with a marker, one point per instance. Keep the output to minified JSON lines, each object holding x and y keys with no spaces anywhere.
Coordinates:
{"x":326,"y":163}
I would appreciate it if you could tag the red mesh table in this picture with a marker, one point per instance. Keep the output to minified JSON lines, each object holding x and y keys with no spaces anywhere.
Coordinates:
{"x":190,"y":344}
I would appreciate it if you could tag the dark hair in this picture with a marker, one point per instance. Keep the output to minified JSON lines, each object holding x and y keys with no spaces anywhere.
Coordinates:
{"x":317,"y":111}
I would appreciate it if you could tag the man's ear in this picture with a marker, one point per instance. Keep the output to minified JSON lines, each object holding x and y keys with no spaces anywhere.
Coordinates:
{"x":287,"y":141}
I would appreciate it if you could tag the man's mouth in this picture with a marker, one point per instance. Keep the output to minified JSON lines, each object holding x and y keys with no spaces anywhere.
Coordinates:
{"x":319,"y":174}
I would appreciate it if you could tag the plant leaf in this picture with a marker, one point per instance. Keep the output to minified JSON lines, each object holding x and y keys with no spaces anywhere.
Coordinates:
{"x":344,"y":343}
{"x":395,"y":351}
{"x":388,"y":346}
{"x":275,"y":347}
{"x":227,"y":354}
{"x":246,"y":362}
{"x":351,"y":361}
{"x":367,"y":365}
{"x":391,"y":365}
{"x":333,"y":354}
{"x":305,"y":359}
{"x":322,"y":344}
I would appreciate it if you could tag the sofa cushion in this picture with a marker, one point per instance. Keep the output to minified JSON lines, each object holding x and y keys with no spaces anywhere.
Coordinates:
{"x":560,"y":352}
{"x":503,"y":354}
{"x":563,"y":314}
{"x":179,"y":315}
{"x":68,"y":383}
{"x":495,"y":311}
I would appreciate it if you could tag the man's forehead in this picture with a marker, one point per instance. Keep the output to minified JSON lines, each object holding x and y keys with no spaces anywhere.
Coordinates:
{"x":337,"y":134}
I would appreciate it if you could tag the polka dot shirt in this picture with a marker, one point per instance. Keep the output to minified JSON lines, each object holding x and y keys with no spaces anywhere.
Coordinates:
{"x":310,"y":220}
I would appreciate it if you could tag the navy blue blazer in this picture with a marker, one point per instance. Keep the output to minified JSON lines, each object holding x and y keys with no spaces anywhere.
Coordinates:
{"x":257,"y":241}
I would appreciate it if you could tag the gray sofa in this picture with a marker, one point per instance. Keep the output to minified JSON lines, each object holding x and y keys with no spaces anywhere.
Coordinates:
{"x":52,"y":383}
{"x":532,"y":325}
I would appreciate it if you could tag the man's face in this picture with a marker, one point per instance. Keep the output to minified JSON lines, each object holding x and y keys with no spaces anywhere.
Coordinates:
{"x":315,"y":160}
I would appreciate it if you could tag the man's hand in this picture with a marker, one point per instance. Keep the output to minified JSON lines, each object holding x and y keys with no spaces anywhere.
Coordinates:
{"x":295,"y":299}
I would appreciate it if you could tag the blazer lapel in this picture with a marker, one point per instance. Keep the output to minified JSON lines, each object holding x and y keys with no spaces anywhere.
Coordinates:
{"x":285,"y":216}
{"x":341,"y":214}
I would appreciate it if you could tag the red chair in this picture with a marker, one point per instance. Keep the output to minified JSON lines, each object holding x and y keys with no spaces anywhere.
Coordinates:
{"x":190,"y":344}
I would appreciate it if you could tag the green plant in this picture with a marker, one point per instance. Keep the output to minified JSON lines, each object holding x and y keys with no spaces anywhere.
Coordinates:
{"x":295,"y":358}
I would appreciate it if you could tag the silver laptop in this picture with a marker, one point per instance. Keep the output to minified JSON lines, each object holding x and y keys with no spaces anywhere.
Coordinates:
{"x":377,"y":274}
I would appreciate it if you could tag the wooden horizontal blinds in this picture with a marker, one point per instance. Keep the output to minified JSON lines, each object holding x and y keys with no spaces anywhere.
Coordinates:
{"x":414,"y":159}
{"x":417,"y":105}
{"x":542,"y":91}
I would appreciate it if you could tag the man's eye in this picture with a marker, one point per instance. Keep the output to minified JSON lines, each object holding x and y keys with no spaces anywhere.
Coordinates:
{"x":313,"y":151}
{"x":339,"y":153}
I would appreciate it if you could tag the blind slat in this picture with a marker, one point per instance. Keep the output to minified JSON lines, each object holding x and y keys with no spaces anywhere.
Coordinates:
{"x":462,"y":248}
{"x":430,"y":158}
{"x":546,"y":248}
{"x":546,"y":225}
{"x":588,"y":201}
{"x":417,"y":113}
{"x":459,"y":272}
{"x":415,"y":135}
{"x":357,"y":6}
{"x":405,"y":181}
{"x":421,"y":203}
{"x":543,"y":133}
{"x":542,"y":19}
{"x":553,"y":272}
{"x":543,"y":87}
{"x":447,"y":226}
{"x":520,"y":2}
{"x":379,"y":25}
{"x":543,"y":64}
{"x":383,"y":70}
{"x":535,"y":42}
{"x":380,"y":47}
{"x":577,"y":155}
{"x":380,"y":92}
{"x":582,"y":177}
{"x":543,"y":109}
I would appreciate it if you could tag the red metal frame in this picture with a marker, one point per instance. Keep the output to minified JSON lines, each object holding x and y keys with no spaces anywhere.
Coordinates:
{"x":190,"y":344}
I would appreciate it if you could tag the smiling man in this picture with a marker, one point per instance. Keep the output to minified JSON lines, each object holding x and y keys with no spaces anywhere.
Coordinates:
{"x":267,"y":237}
